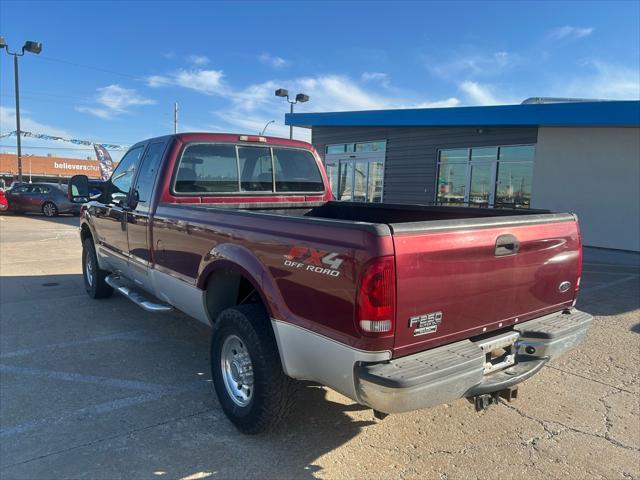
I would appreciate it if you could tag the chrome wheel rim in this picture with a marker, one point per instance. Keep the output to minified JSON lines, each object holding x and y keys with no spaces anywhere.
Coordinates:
{"x":49,"y":210}
{"x":237,"y":370}
{"x":88,"y":271}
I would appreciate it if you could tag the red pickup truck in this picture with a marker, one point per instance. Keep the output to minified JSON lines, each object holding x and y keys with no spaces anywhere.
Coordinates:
{"x":398,"y":307}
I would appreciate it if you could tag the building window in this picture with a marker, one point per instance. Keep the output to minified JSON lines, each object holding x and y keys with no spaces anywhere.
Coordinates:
{"x":486,"y":176}
{"x":356,"y":170}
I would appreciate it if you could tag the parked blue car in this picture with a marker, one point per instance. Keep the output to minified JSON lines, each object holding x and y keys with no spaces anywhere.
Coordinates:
{"x":50,"y":199}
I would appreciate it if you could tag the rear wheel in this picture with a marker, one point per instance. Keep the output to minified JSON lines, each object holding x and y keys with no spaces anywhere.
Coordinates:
{"x":94,"y":277}
{"x":49,"y":209}
{"x":247,"y":375}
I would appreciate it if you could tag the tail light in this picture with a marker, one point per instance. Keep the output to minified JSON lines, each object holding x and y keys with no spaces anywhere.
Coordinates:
{"x":375,"y":310}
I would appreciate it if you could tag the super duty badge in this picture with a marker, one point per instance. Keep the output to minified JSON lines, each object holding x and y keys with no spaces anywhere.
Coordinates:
{"x":427,"y":323}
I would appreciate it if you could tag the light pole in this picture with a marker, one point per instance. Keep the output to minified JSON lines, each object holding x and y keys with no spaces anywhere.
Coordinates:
{"x":31,"y":47}
{"x":265,"y":127}
{"x":301,"y":97}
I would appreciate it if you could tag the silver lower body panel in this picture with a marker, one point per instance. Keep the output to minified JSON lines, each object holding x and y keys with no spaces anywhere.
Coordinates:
{"x":307,"y":355}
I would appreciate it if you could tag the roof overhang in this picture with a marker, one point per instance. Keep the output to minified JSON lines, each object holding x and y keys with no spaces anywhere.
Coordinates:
{"x":624,"y":113}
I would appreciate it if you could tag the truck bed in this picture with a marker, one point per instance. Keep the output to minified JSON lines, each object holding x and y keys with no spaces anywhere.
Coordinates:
{"x":459,"y":272}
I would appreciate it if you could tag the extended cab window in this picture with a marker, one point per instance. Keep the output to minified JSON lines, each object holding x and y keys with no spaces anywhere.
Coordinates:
{"x":296,"y":171}
{"x":207,"y":168}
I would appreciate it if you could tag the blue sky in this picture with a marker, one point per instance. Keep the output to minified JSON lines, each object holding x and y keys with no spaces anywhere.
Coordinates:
{"x":110,"y":71}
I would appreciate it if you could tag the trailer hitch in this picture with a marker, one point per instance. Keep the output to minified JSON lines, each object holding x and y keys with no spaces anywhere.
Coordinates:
{"x":484,"y":401}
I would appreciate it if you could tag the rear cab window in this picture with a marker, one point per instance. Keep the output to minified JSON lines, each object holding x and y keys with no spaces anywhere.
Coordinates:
{"x":226,"y":169}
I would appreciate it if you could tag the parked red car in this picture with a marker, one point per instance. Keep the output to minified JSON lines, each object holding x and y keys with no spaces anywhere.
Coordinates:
{"x":4,"y":206}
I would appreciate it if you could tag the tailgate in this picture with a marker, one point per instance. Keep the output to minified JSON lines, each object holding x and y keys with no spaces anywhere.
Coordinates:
{"x":458,"y":279}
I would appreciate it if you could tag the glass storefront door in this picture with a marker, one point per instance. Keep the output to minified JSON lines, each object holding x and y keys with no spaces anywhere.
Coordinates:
{"x":482,"y":183}
{"x":356,"y":171}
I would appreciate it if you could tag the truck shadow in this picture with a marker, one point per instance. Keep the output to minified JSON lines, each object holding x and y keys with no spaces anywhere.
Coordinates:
{"x":182,"y":434}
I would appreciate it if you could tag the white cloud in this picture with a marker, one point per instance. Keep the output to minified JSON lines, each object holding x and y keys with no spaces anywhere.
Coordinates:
{"x":114,"y":100}
{"x":475,"y":65}
{"x":27,"y":123}
{"x":198,"y":60}
{"x":273,"y":61}
{"x":251,"y":108}
{"x":449,"y":102}
{"x":209,"y":82}
{"x":382,"y":78}
{"x":605,"y":81}
{"x":479,"y":94}
{"x":570,"y":32}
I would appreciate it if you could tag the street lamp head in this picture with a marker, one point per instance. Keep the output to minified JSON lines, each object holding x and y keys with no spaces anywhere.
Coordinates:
{"x":301,"y":97}
{"x":282,"y":92}
{"x":32,"y":47}
{"x":3,"y":43}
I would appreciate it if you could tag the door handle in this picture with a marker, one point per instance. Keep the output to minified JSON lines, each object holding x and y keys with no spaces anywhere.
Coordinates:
{"x":506,"y":245}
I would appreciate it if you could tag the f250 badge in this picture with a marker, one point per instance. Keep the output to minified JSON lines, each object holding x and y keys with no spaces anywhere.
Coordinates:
{"x":318,"y":261}
{"x":427,"y":323}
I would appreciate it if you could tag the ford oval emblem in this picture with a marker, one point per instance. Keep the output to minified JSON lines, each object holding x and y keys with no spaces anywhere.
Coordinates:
{"x":564,"y":286}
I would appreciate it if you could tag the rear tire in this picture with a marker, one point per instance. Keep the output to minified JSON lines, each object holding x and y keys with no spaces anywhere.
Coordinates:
{"x":247,"y":374}
{"x":49,"y":209}
{"x":93,"y":276}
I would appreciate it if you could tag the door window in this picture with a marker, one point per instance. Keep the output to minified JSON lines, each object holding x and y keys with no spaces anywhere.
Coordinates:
{"x":22,"y":189}
{"x":148,"y":171}
{"x":122,"y":176}
{"x":41,"y":189}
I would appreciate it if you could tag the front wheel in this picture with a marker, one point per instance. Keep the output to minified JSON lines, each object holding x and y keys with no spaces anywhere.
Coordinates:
{"x":247,"y":375}
{"x":94,"y":276}
{"x":49,"y":209}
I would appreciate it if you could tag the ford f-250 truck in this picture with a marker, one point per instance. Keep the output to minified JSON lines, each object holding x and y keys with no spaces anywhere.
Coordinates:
{"x":398,"y":307}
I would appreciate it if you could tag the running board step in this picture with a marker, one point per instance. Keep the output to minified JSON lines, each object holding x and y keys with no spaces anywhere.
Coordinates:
{"x":116,"y":282}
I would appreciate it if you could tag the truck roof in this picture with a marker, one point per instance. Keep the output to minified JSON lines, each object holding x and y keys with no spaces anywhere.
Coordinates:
{"x":234,"y":138}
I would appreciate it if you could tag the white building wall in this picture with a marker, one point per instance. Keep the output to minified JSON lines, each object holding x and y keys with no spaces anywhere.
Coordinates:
{"x":594,"y":172}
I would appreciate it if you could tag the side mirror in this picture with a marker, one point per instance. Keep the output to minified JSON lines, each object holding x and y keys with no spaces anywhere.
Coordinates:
{"x":134,"y":200}
{"x":78,"y":189}
{"x":119,"y":198}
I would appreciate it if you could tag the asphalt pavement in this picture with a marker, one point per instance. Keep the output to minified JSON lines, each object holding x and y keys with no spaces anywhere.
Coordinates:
{"x":103,"y":390}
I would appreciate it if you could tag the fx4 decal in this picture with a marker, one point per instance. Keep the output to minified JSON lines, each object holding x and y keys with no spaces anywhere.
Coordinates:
{"x":318,"y":261}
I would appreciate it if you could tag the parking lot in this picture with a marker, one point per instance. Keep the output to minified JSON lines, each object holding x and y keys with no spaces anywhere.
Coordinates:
{"x":102,"y":389}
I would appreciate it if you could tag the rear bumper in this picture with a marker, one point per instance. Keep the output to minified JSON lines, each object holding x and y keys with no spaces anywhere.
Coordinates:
{"x":446,"y":373}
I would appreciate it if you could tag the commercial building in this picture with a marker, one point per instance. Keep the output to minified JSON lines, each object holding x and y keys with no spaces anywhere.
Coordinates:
{"x":582,"y":157}
{"x":45,"y":169}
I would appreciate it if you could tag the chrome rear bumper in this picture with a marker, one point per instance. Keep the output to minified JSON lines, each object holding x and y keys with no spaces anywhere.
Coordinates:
{"x":458,"y":370}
